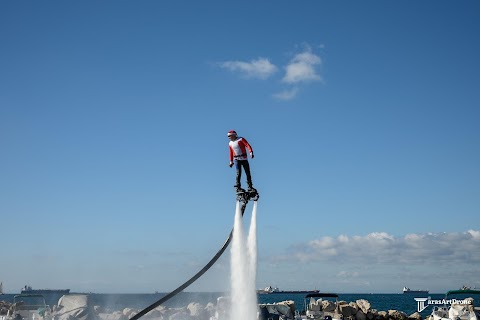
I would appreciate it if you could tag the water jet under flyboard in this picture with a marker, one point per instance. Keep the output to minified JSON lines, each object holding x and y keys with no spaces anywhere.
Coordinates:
{"x":243,"y":197}
{"x":243,"y":299}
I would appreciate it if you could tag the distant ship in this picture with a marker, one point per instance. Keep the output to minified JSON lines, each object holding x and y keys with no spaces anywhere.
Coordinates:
{"x":409,"y":291}
{"x":272,"y":290}
{"x":29,"y":290}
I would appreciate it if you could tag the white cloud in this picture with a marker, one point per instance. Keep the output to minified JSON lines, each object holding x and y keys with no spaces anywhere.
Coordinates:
{"x":475,"y":234}
{"x":261,"y":68}
{"x":302,"y":68}
{"x":381,"y":262}
{"x":380,"y":247}
{"x":286,"y":94}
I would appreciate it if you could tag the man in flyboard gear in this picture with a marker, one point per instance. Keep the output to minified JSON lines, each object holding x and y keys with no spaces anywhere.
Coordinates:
{"x":238,"y":155}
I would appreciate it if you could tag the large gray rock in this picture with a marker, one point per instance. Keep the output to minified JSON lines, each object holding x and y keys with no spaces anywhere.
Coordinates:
{"x":222,"y":309}
{"x":197,"y":310}
{"x":397,"y":315}
{"x":283,"y":308}
{"x":371,"y":314}
{"x":4,"y":307}
{"x":363,"y":305}
{"x":354,"y":305}
{"x":210,"y":309}
{"x":117,"y":315}
{"x":415,"y":316}
{"x":155,"y":314}
{"x":347,"y":310}
{"x":181,"y":314}
{"x":289,"y":306}
{"x":129,"y":312}
{"x":328,"y":306}
{"x":360,"y":315}
{"x":381,"y":315}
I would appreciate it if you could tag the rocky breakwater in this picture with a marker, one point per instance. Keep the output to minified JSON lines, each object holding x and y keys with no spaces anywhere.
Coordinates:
{"x":362,"y":310}
{"x":194,"y":311}
{"x":355,"y":310}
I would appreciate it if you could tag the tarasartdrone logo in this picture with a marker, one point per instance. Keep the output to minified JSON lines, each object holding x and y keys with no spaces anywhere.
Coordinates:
{"x":423,"y":303}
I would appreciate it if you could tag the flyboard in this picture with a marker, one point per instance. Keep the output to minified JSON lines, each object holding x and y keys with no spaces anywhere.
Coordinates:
{"x":243,"y":196}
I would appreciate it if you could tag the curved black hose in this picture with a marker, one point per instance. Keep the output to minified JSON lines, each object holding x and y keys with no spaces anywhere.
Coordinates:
{"x":192,"y":279}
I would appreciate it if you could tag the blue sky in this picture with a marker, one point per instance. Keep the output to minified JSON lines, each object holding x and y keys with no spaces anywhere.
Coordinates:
{"x":364,"y":118}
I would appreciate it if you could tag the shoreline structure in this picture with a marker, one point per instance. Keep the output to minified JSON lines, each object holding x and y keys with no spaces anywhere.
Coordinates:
{"x":355,"y":310}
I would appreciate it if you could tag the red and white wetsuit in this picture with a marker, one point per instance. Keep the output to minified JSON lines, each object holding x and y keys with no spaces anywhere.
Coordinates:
{"x":238,"y":149}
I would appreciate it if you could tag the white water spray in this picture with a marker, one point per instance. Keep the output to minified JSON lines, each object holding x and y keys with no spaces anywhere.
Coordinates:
{"x":244,"y":268}
{"x":252,"y":246}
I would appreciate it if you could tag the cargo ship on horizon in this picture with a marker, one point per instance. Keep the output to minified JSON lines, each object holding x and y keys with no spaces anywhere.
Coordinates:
{"x":407,"y":290}
{"x":273,"y":290}
{"x":30,"y":290}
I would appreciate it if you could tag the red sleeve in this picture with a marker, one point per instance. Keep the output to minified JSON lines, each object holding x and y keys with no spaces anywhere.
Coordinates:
{"x":231,"y":152}
{"x":249,"y":147}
